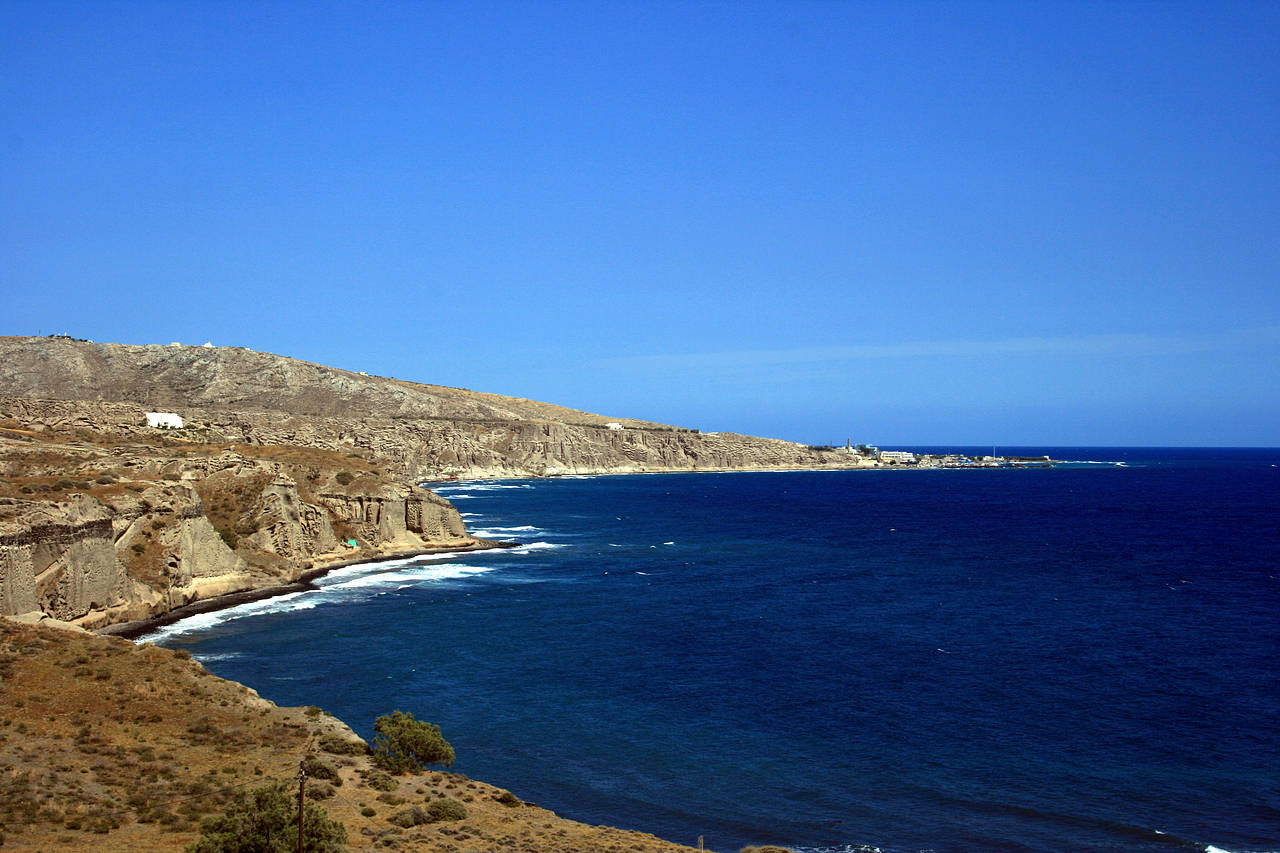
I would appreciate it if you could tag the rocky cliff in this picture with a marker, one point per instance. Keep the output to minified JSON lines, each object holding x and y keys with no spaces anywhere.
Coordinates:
{"x":97,"y":529}
{"x":279,"y":467}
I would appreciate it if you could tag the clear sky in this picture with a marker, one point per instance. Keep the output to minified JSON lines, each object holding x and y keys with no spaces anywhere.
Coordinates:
{"x":929,"y":223}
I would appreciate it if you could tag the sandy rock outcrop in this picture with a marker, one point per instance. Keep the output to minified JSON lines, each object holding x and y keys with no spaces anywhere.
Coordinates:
{"x":399,"y":515}
{"x":290,"y":527}
{"x":60,"y":559}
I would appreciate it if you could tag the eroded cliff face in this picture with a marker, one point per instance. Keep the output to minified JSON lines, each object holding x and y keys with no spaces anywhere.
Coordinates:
{"x":165,"y":527}
{"x":59,"y":558}
{"x":398,"y":514}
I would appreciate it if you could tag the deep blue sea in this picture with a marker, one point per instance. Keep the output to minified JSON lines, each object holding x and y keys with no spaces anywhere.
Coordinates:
{"x":1084,"y":658}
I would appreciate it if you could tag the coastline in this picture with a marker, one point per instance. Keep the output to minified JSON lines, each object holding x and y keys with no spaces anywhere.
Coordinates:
{"x":138,"y":627}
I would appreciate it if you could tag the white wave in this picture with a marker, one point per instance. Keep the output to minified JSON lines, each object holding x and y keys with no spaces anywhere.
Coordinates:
{"x":216,"y":657}
{"x":302,"y":600}
{"x":482,"y":487}
{"x":340,"y":577}
{"x":497,"y":532}
{"x":537,"y":546}
{"x":471,"y":514}
{"x":361,"y":579}
{"x":410,"y":576}
{"x":668,"y":543}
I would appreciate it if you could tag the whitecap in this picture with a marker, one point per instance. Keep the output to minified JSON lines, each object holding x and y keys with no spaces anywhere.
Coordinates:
{"x":302,"y":600}
{"x":483,"y":487}
{"x":361,"y":579}
{"x":410,"y":576}
{"x":208,"y":658}
{"x":498,"y":532}
{"x":538,"y":546}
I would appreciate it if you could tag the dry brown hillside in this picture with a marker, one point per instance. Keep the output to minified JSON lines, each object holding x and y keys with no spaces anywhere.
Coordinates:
{"x":105,"y":745}
{"x":418,"y":431}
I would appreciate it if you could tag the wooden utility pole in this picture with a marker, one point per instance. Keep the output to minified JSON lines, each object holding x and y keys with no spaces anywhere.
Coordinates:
{"x":302,"y":786}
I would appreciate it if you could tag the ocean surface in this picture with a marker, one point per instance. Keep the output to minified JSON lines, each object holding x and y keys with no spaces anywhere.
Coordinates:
{"x":1084,"y":658}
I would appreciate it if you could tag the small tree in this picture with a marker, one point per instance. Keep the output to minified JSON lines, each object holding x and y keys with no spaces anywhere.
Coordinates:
{"x":404,"y":744}
{"x":265,"y":820}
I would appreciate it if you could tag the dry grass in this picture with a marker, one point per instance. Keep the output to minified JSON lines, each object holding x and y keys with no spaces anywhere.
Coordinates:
{"x":108,"y":745}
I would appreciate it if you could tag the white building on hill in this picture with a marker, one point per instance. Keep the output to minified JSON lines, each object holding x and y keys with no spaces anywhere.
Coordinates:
{"x":164,"y":420}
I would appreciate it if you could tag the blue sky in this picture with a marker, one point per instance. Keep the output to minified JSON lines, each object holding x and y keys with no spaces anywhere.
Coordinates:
{"x":928,"y":223}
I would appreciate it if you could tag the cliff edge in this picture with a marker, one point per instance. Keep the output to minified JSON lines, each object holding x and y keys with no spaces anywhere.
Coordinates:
{"x":135,"y":480}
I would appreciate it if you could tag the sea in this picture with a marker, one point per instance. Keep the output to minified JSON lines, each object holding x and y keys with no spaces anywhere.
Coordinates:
{"x":1080,"y":658}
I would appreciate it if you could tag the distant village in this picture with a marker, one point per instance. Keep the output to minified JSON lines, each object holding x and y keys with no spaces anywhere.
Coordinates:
{"x":906,"y":458}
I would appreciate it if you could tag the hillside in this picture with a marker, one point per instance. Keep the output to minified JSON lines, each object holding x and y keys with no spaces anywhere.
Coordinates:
{"x":105,"y":745}
{"x":279,"y":470}
{"x":420,"y":432}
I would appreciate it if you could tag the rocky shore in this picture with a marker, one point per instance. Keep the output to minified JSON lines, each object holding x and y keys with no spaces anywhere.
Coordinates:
{"x":142,"y":484}
{"x":96,"y":530}
{"x":138,"y":480}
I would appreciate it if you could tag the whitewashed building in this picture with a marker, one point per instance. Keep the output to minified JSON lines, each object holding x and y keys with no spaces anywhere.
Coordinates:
{"x":164,"y":420}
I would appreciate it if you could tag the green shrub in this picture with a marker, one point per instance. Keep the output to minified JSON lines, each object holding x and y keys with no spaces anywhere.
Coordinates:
{"x":229,"y":536}
{"x":318,"y":768}
{"x":435,"y":812}
{"x":409,"y":817}
{"x":341,"y":746}
{"x":266,"y":819}
{"x":320,"y":791}
{"x":380,"y":782}
{"x":344,"y":477}
{"x":509,"y":799}
{"x":446,"y":809}
{"x":405,"y":744}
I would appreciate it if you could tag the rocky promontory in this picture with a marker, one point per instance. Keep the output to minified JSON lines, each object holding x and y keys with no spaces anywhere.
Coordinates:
{"x":417,"y":431}
{"x":135,"y":480}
